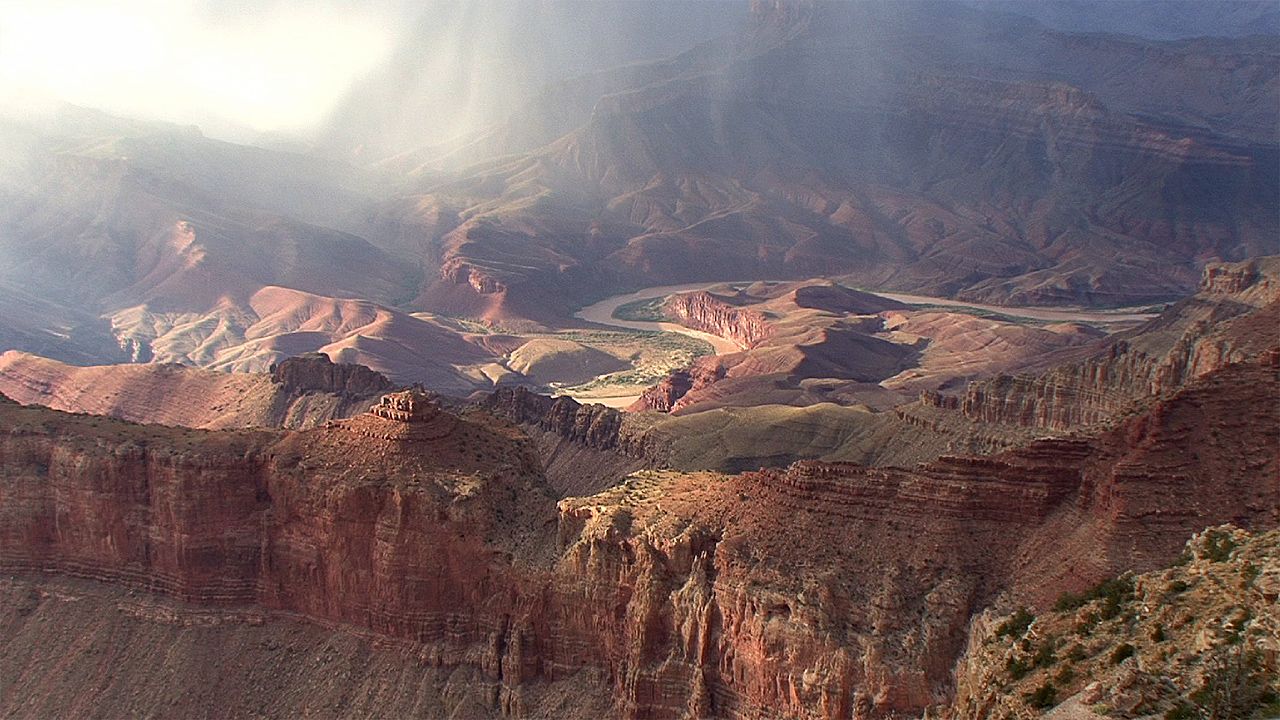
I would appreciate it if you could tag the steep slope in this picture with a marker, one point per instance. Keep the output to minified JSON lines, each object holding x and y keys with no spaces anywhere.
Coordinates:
{"x":1234,"y":316}
{"x":299,"y":392}
{"x":1196,"y":639}
{"x":1051,"y":168}
{"x":61,"y":633}
{"x":810,"y":591}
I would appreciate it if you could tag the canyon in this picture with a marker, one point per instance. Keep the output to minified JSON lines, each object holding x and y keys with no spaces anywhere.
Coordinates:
{"x":745,"y":360}
{"x":817,"y":590}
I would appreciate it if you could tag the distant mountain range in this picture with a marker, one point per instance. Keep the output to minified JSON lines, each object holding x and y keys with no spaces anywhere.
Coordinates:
{"x":951,"y":149}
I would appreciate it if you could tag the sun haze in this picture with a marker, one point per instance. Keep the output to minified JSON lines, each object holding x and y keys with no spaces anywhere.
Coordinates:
{"x":270,"y":68}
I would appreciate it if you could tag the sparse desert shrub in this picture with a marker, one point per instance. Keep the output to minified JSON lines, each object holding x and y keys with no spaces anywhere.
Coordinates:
{"x":1017,"y":624}
{"x":1249,"y":573}
{"x":1236,"y":685}
{"x":1085,"y":625}
{"x":1218,"y":546}
{"x":1045,"y":656}
{"x":1114,"y":593}
{"x":1017,"y":667}
{"x":1045,"y":696}
{"x":1182,"y":711}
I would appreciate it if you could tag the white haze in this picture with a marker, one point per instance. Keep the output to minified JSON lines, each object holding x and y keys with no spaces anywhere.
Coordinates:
{"x":263,"y":67}
{"x":345,"y":73}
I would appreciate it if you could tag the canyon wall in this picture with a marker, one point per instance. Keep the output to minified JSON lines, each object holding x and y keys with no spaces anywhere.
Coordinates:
{"x":822,"y":590}
{"x":1234,"y":317}
{"x":706,"y":312}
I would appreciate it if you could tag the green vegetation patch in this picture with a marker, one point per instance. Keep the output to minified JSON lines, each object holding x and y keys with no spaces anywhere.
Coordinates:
{"x":1043,"y":697}
{"x":1114,"y":594}
{"x":649,"y":310}
{"x":1017,"y":624}
{"x":1218,"y":546}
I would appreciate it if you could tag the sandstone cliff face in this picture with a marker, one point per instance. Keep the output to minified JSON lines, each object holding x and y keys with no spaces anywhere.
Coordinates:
{"x":831,"y":590}
{"x":316,"y":372}
{"x":76,"y":648}
{"x":706,"y":312}
{"x":593,"y":425}
{"x":671,"y":390}
{"x":584,"y":448}
{"x":1233,"y":318}
{"x":822,"y":590}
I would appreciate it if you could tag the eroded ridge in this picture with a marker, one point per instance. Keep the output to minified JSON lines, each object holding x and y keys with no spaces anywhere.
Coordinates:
{"x":405,"y":415}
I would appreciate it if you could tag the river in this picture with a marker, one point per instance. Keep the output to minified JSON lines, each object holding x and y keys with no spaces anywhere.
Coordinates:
{"x":602,"y":313}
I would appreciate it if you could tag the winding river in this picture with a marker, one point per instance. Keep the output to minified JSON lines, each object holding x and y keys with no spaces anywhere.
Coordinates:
{"x":602,"y":313}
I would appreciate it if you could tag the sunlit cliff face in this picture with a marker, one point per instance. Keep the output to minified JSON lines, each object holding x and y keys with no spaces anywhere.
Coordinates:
{"x":257,"y":66}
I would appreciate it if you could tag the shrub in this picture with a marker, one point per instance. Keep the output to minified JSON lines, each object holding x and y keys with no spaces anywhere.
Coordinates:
{"x":1177,"y":586}
{"x":1249,"y":573}
{"x":1077,"y":653}
{"x":1045,"y":696}
{"x":1181,"y":711}
{"x":1017,"y":624}
{"x":1044,"y":656}
{"x":1086,"y":623}
{"x":1157,"y":634}
{"x":1065,"y":675}
{"x":1218,"y":546}
{"x":1122,"y":652}
{"x":1114,"y":593}
{"x":1017,"y":668}
{"x":1069,"y":601}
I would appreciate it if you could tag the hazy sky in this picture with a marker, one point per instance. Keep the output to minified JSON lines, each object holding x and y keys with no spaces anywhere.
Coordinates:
{"x":266,"y":66}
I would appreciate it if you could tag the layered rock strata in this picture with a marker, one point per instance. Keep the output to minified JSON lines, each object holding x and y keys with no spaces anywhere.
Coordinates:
{"x":823,"y":590}
{"x":1234,"y":317}
{"x":316,"y":372}
{"x":709,"y":313}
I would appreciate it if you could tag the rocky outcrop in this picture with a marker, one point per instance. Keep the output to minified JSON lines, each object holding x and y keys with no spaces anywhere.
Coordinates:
{"x":315,"y":372}
{"x":584,"y":448}
{"x":709,"y":313}
{"x":1233,"y":319}
{"x":822,"y":590}
{"x":664,"y":396}
{"x":300,"y":393}
{"x":667,"y":395}
{"x":594,"y":426}
{"x":1199,"y":639}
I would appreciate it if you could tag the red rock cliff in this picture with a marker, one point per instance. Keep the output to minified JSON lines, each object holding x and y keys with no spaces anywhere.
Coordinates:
{"x":1234,"y":318}
{"x":820,"y":591}
{"x":706,"y":312}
